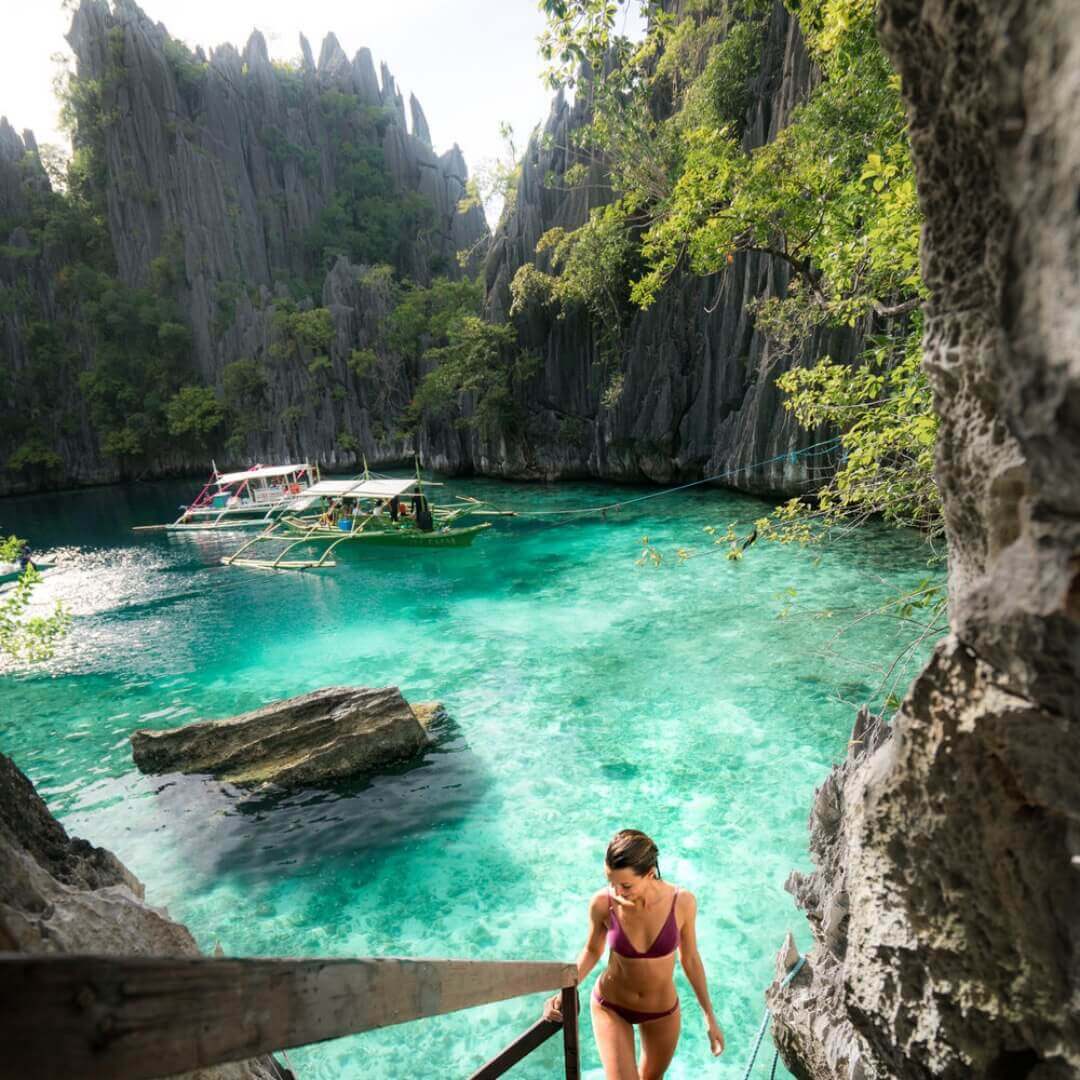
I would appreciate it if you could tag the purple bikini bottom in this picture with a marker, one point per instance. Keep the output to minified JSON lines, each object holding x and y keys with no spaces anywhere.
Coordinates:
{"x":631,"y":1016}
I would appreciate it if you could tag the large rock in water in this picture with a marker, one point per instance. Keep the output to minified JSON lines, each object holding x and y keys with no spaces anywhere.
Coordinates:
{"x":324,"y":735}
{"x":59,"y":894}
{"x":945,"y":903}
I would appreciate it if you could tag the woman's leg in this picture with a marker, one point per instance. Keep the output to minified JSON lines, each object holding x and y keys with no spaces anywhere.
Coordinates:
{"x":615,"y":1041}
{"x":658,"y":1041}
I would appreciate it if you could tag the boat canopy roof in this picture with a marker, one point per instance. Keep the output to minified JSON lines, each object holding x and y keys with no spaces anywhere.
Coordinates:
{"x":262,"y":472}
{"x":382,"y":488}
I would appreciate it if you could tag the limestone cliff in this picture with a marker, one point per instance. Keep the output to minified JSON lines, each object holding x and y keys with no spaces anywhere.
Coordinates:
{"x":221,"y":175}
{"x":224,"y":180}
{"x":698,"y":395}
{"x":945,"y":905}
{"x":59,"y":894}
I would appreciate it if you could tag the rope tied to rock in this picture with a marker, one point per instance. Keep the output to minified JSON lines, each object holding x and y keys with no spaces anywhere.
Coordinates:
{"x":818,"y":449}
{"x":765,"y":1024}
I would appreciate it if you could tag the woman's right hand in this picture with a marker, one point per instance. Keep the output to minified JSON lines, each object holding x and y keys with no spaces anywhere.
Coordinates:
{"x":553,"y":1008}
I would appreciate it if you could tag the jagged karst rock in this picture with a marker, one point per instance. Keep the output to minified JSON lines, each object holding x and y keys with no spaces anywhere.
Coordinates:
{"x":59,"y":894}
{"x":310,"y":739}
{"x":945,"y":905}
{"x":223,"y":171}
{"x":235,"y":166}
{"x":698,"y":394}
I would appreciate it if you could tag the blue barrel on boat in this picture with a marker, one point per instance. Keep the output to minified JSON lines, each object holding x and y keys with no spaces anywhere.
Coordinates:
{"x":345,"y":524}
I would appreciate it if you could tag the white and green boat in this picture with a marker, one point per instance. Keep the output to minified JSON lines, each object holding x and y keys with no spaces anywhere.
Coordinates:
{"x":248,"y":499}
{"x":336,"y":515}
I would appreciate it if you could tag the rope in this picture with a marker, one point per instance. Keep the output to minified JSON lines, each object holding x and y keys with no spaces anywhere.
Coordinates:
{"x":788,"y":455}
{"x":765,"y":1023}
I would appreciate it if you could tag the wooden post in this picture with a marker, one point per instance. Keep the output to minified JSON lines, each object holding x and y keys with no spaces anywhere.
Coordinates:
{"x":520,"y":1048}
{"x":135,"y":1018}
{"x":570,"y":1006}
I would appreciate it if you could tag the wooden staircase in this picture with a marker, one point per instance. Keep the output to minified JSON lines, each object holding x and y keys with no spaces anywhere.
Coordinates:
{"x":135,"y":1018}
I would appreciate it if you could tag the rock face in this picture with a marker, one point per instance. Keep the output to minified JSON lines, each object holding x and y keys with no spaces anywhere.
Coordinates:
{"x":310,"y":739}
{"x":945,"y":905}
{"x":698,"y":395}
{"x":221,"y":166}
{"x":59,"y":894}
{"x":218,"y":173}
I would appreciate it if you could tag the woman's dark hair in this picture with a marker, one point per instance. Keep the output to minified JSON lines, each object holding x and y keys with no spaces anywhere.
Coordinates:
{"x":633,"y":850}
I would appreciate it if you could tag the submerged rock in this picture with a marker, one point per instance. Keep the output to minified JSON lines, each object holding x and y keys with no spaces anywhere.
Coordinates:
{"x":59,"y":894}
{"x":325,"y":735}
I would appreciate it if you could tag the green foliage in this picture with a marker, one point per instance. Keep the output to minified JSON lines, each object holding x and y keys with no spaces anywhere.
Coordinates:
{"x":348,"y":442}
{"x":284,"y":151}
{"x":368,"y":220}
{"x":423,"y":318}
{"x":363,"y":361}
{"x":188,"y":70}
{"x":29,"y":639}
{"x":723,"y":93}
{"x":312,"y":329}
{"x":138,"y":345}
{"x":244,"y":385}
{"x":495,"y":180}
{"x":141,"y":358}
{"x":35,"y":456}
{"x":883,"y":409}
{"x":479,"y":360}
{"x":592,"y":268}
{"x":470,"y":365}
{"x":833,"y":197}
{"x":291,"y":80}
{"x":194,"y":412}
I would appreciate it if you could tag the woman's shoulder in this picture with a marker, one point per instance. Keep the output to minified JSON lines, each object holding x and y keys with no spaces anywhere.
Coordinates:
{"x":600,"y":900}
{"x":685,"y":901}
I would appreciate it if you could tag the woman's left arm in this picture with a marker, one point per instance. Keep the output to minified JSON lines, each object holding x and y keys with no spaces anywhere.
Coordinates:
{"x":695,"y":969}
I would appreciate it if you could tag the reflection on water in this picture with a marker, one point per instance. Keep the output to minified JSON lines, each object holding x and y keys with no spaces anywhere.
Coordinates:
{"x":698,"y":702}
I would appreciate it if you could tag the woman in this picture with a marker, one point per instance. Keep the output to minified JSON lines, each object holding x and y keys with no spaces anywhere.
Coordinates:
{"x":644,"y":920}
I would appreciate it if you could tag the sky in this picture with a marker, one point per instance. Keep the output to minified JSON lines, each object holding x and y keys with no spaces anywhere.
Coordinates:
{"x":471,"y":63}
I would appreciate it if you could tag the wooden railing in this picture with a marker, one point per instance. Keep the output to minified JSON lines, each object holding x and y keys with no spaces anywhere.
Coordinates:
{"x":136,"y":1018}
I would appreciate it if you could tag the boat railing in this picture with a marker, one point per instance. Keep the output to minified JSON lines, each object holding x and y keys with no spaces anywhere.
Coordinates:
{"x":136,"y":1018}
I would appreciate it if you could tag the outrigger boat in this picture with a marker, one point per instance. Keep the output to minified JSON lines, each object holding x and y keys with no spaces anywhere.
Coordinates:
{"x":242,"y":500}
{"x":366,"y":511}
{"x":10,"y":572}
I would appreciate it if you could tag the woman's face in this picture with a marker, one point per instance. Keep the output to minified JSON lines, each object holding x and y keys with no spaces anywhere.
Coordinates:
{"x":628,"y":884}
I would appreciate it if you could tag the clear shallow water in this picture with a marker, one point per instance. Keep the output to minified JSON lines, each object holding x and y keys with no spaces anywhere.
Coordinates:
{"x":698,"y":701}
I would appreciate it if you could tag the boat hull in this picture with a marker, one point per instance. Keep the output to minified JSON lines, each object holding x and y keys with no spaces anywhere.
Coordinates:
{"x":335,"y":542}
{"x":7,"y":575}
{"x":462,"y":537}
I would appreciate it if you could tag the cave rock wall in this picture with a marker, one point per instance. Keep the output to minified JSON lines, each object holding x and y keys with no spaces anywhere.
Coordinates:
{"x":945,"y":903}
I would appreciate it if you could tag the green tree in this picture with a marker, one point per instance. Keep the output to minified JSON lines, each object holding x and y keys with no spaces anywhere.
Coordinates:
{"x":31,"y":639}
{"x":195,"y":412}
{"x":832,"y":197}
{"x":480,"y":361}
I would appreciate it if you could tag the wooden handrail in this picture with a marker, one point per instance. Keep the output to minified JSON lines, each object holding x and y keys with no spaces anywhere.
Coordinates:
{"x":536,"y":1036}
{"x":136,"y":1018}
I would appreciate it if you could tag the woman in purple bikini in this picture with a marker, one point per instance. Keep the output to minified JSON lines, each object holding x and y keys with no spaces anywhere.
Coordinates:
{"x":638,"y":986}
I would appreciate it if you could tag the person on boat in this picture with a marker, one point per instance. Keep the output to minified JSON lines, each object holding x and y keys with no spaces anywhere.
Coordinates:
{"x":25,"y":558}
{"x":644,"y":920}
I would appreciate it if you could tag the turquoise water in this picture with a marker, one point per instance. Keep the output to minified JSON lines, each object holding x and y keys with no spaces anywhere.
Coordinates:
{"x":701,"y":701}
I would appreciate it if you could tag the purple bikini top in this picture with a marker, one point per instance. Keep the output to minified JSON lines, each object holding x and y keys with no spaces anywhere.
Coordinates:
{"x":667,"y":941}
